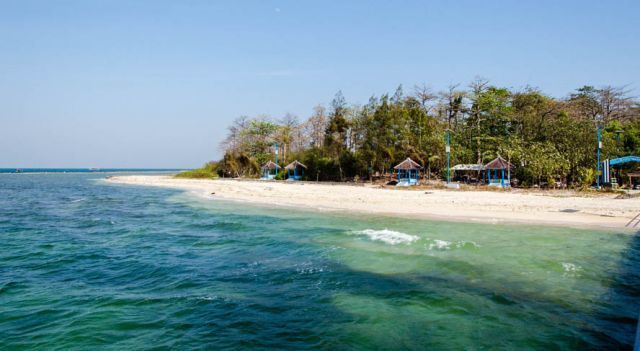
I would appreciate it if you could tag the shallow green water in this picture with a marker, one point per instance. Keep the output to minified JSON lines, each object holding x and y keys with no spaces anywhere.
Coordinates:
{"x":89,"y":265}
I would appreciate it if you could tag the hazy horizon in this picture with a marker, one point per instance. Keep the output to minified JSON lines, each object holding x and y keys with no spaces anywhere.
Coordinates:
{"x":154,"y":84}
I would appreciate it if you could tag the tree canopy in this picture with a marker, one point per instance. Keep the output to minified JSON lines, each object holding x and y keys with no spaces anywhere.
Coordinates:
{"x":547,"y":138}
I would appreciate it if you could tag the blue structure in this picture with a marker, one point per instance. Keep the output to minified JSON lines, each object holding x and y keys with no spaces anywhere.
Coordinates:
{"x":269,"y":171}
{"x":605,"y":177}
{"x":295,"y":170}
{"x":625,"y":159}
{"x":495,"y":172}
{"x":408,"y":172}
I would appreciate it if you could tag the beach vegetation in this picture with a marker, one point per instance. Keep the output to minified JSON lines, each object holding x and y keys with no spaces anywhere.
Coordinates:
{"x":551,"y":140}
{"x":208,"y":171}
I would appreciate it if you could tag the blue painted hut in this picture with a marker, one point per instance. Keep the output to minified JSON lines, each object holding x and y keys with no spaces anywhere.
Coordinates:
{"x":408,"y":172}
{"x":616,"y":164}
{"x":269,"y":170}
{"x":498,"y":172}
{"x":295,"y":170}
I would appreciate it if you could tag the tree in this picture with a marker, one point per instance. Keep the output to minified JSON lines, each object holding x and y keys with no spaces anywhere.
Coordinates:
{"x":452,"y":105}
{"x":584,"y":104}
{"x":547,"y":138}
{"x":616,"y":104}
{"x":425,"y":96}
{"x":335,"y":142}
{"x":288,"y":133}
{"x":316,"y":126}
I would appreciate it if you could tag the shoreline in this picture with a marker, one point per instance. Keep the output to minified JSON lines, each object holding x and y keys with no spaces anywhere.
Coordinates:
{"x":559,"y":208}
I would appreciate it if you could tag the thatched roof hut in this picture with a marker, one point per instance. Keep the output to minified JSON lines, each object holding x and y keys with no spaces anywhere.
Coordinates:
{"x":408,"y":172}
{"x":495,"y":179}
{"x":270,"y":166}
{"x":498,"y":163}
{"x":269,"y":170}
{"x":407,"y":164}
{"x":295,"y":165}
{"x":295,"y":170}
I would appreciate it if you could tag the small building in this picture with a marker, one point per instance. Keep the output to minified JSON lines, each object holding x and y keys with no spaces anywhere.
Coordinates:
{"x":633,"y":175}
{"x":611,"y":178}
{"x":408,"y":172}
{"x":295,"y":170}
{"x":495,"y":172}
{"x":468,"y":173}
{"x":269,"y":170}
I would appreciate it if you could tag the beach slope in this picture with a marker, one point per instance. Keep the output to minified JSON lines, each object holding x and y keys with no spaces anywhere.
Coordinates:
{"x":533,"y":207}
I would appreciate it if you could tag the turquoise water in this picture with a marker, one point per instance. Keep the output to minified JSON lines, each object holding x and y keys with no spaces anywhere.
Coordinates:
{"x":89,"y":265}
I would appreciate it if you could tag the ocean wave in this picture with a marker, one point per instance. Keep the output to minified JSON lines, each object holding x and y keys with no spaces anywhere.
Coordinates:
{"x":388,"y":236}
{"x":437,"y":244}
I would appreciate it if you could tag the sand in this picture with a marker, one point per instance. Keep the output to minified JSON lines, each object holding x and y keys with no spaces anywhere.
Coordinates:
{"x":533,"y":207}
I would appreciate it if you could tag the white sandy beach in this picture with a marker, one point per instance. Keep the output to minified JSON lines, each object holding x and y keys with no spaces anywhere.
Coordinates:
{"x":533,"y":207}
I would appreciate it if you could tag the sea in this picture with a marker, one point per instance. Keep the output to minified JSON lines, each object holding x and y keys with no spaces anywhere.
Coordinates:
{"x":90,"y":265}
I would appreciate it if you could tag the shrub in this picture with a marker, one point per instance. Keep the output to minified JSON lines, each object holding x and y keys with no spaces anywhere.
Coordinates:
{"x":586,"y":176}
{"x":208,"y":171}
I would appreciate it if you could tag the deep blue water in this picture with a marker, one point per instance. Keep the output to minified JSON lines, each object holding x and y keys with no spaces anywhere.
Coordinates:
{"x":85,"y":264}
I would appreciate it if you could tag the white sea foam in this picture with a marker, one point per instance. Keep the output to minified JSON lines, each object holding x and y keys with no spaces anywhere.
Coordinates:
{"x":570,"y":267}
{"x":440,"y":245}
{"x":448,"y":245}
{"x":388,"y":236}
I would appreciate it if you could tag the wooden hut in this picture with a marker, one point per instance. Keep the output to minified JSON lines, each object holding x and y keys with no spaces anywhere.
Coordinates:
{"x":295,"y":170}
{"x":469,"y":173}
{"x":269,"y":170}
{"x":495,"y":172}
{"x":408,"y":172}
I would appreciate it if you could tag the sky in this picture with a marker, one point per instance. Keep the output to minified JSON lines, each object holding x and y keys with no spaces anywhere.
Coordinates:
{"x":110,"y":83}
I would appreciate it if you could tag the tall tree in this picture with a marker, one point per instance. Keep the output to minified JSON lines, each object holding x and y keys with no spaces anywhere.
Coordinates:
{"x":316,"y":126}
{"x":335,"y":141}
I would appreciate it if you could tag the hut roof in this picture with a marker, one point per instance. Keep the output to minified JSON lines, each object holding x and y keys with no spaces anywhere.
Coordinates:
{"x":270,"y":166}
{"x":295,"y":164}
{"x":467,"y":167}
{"x":498,"y":163}
{"x":408,"y":164}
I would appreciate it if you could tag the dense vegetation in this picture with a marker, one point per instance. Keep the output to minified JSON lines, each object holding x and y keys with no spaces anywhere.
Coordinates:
{"x":548,"y":139}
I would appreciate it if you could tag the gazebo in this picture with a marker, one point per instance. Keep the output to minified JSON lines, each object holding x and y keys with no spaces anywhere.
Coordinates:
{"x":408,"y":172}
{"x":269,"y":170}
{"x":495,"y":178}
{"x":295,"y":170}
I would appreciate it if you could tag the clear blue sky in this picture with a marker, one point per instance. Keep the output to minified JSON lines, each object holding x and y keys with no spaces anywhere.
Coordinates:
{"x":155,"y":83}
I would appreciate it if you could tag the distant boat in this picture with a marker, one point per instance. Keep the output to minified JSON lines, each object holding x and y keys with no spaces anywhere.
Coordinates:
{"x":94,"y":169}
{"x":19,"y":170}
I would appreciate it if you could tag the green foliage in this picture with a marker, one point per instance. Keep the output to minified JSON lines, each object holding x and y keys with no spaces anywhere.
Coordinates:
{"x":208,"y":171}
{"x":282,"y":175}
{"x":238,"y":165}
{"x":259,"y":138}
{"x":547,"y":139}
{"x":587,"y":176}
